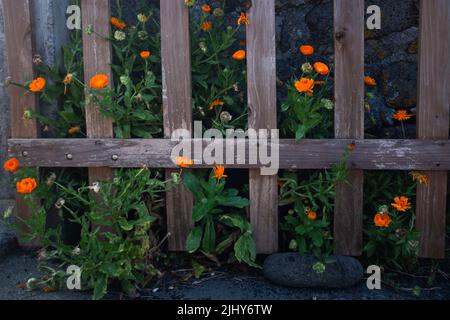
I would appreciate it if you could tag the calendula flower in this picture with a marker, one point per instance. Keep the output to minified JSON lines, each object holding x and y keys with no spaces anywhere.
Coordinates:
{"x":402,"y":115}
{"x":312,"y":215}
{"x":74,"y":130}
{"x":206,"y":26}
{"x":26,"y":186}
{"x":60,"y":203}
{"x":307,"y":67}
{"x":28,"y":114}
{"x":243,"y":19}
{"x":11,"y":165}
{"x":95,"y":187}
{"x":319,"y":267}
{"x":37,"y":85}
{"x":206,"y":8}
{"x":382,"y":220}
{"x":145,"y":54}
{"x":327,"y":104}
{"x":219,"y":172}
{"x":184,"y":162}
{"x":67,"y":80}
{"x":99,"y":81}
{"x":225,"y":117}
{"x":189,"y":3}
{"x":321,"y":68}
{"x":120,"y":35}
{"x":304,"y":85}
{"x":306,"y":50}
{"x":239,"y":55}
{"x":216,"y":103}
{"x":351,"y":147}
{"x":142,"y":18}
{"x":419,"y":177}
{"x":401,"y":203}
{"x":118,"y":23}
{"x":369,"y":81}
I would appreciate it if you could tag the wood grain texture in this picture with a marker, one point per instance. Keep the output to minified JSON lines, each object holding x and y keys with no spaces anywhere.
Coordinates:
{"x":431,"y":155}
{"x":97,"y":57}
{"x":433,"y":120}
{"x":261,"y":84}
{"x":177,"y":105}
{"x":349,"y":119}
{"x":20,"y":47}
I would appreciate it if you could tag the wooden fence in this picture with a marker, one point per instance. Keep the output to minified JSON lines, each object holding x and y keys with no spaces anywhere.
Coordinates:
{"x":100,"y":153}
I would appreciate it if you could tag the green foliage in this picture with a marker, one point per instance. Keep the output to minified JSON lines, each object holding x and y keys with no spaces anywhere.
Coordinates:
{"x":217,"y":222}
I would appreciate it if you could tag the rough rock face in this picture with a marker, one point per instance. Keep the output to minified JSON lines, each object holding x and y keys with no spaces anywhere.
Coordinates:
{"x":301,"y":271}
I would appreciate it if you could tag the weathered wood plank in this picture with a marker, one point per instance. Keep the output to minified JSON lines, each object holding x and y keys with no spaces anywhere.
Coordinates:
{"x":261,"y":84}
{"x":177,"y":97}
{"x":97,"y":57}
{"x":433,"y":120}
{"x":305,"y":154}
{"x":349,"y":119}
{"x":19,"y":39}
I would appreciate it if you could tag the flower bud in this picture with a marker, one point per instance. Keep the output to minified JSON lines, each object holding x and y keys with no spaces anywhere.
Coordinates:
{"x":225,"y":117}
{"x":119,"y":35}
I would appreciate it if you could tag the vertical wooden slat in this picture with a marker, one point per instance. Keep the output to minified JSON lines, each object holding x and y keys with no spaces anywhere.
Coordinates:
{"x":97,"y":57}
{"x":261,"y":70}
{"x":18,"y":29}
{"x":177,"y":105}
{"x":433,"y":120}
{"x":349,"y":119}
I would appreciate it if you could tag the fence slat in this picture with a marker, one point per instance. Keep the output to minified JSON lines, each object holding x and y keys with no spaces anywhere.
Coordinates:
{"x":17,"y":15}
{"x":349,"y":119}
{"x":261,"y":70}
{"x":177,"y":100}
{"x":433,"y":120}
{"x":97,"y":57}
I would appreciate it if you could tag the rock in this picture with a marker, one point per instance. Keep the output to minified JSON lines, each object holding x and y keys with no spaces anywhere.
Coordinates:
{"x":294,"y":270}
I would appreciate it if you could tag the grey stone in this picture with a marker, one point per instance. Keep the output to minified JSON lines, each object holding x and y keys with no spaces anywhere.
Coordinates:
{"x":295,"y":270}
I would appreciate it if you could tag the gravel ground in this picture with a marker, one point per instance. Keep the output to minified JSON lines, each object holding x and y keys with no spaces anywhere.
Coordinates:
{"x":20,"y":266}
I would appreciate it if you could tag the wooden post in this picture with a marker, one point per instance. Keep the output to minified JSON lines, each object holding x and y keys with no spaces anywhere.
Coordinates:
{"x":177,"y":105}
{"x":97,"y":57}
{"x":349,"y":119}
{"x":433,"y":120}
{"x":20,"y":61}
{"x":262,"y":102}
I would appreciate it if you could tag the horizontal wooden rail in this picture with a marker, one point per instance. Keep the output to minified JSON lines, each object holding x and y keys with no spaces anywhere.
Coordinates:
{"x":305,"y":154}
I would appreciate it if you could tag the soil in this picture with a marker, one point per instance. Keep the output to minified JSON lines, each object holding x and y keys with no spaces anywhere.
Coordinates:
{"x":231,"y":284}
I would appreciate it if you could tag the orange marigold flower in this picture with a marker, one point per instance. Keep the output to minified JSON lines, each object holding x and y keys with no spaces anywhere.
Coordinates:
{"x":216,"y":103}
{"x":239,"y":55}
{"x":369,"y":81}
{"x":304,"y":85}
{"x":117,"y":23}
{"x":243,"y":19}
{"x":306,"y":50}
{"x":206,"y":26}
{"x":321,"y":68}
{"x":26,"y":186}
{"x":351,"y":147}
{"x":68,"y":79}
{"x":12,"y":165}
{"x":74,"y":130}
{"x":99,"y":81}
{"x":382,"y":220}
{"x":421,"y":178}
{"x":37,"y":85}
{"x":402,"y":115}
{"x":184,"y":162}
{"x":312,"y":215}
{"x":401,"y":204}
{"x":145,"y":54}
{"x":206,"y":8}
{"x":219,"y":172}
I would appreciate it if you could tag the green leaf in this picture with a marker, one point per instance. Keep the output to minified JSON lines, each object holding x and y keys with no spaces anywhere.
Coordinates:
{"x":237,"y":202}
{"x":317,"y":239}
{"x":209,"y":237}
{"x":245,"y":249}
{"x":193,"y":184}
{"x":198,"y":269}
{"x":100,"y":287}
{"x":194,"y":239}
{"x":300,"y":133}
